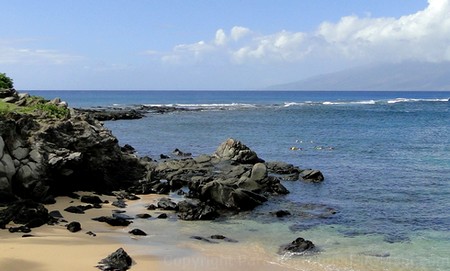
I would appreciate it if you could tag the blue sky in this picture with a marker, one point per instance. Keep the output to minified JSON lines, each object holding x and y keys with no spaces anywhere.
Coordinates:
{"x":172,"y":44}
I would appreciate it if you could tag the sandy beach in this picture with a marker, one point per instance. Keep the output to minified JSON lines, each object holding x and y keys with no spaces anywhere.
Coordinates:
{"x":55,"y":248}
{"x":167,"y":246}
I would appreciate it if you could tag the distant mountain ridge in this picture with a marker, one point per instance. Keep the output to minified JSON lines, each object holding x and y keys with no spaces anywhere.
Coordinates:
{"x":395,"y":77}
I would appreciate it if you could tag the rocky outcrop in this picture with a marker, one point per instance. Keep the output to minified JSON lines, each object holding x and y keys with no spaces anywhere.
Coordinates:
{"x":105,"y":114}
{"x":26,"y":212}
{"x":42,"y":157}
{"x":234,"y":178}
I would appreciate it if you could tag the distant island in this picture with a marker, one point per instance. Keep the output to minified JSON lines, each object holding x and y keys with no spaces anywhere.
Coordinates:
{"x":412,"y":76}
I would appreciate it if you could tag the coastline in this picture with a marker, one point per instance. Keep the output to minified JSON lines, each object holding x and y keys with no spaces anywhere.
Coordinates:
{"x":169,"y":247}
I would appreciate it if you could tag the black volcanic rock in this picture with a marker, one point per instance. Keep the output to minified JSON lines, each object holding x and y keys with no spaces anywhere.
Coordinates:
{"x":74,"y":226}
{"x":298,"y":246}
{"x":191,"y":210}
{"x":137,"y":232}
{"x":91,"y":199}
{"x":113,"y":221}
{"x":117,"y":261}
{"x":104,"y":114}
{"x":25,"y":212}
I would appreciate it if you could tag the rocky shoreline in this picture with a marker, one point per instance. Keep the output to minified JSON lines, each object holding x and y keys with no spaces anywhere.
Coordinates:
{"x":42,"y":157}
{"x":129,"y":112}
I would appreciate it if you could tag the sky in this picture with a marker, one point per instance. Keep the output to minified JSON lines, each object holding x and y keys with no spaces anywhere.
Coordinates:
{"x":210,"y":44}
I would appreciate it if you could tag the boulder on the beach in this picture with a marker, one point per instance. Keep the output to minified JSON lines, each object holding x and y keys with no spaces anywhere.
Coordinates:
{"x":120,"y":203}
{"x":137,"y":232}
{"x":74,"y":226}
{"x":113,"y":221}
{"x":23,"y":229}
{"x":56,"y":214}
{"x":298,"y":247}
{"x":91,"y":199}
{"x":194,"y":210}
{"x":117,"y":261}
{"x":26,"y":212}
{"x":75,"y":209}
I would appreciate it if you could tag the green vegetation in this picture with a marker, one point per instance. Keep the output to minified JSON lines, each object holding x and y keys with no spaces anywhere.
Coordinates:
{"x":6,"y":107}
{"x":5,"y":81}
{"x":35,"y":105}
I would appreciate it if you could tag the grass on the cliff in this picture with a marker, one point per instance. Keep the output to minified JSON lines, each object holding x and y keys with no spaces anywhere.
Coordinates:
{"x":35,"y":105}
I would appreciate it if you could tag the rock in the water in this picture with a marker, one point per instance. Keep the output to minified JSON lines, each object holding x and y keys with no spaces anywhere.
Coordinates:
{"x":282,"y":213}
{"x":74,"y":226}
{"x":143,"y":216}
{"x":311,"y":175}
{"x":286,"y":171}
{"x":201,"y":238}
{"x":137,"y":232}
{"x":105,"y":114}
{"x":117,"y":261}
{"x":177,"y":152}
{"x":163,"y":156}
{"x":298,"y":246}
{"x":223,"y":238}
{"x":162,"y":216}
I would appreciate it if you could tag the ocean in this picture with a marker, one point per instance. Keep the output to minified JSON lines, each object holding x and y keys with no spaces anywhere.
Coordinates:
{"x":385,"y":157}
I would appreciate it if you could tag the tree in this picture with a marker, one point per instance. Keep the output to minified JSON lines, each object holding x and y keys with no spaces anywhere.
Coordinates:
{"x":5,"y":81}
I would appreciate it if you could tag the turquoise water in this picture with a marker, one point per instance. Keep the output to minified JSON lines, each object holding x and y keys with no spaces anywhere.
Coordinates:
{"x":385,"y":157}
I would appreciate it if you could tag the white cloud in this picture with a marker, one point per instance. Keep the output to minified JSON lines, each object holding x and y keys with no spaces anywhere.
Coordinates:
{"x":424,"y":36}
{"x":221,"y":38}
{"x":13,"y":55}
{"x":238,"y":32}
{"x":30,"y":56}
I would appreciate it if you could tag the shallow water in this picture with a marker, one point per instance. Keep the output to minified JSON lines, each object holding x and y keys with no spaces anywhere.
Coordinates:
{"x":385,"y":157}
